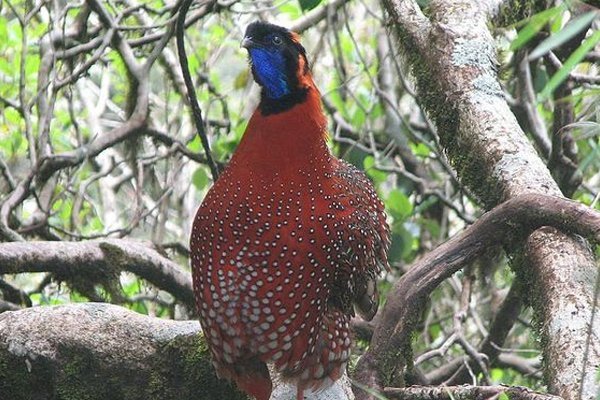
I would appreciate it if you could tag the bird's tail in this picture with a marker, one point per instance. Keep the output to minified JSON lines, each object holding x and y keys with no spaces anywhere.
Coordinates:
{"x":327,"y":362}
{"x":250,"y":375}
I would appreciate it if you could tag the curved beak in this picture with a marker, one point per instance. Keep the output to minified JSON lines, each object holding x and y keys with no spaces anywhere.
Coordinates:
{"x":248,"y":42}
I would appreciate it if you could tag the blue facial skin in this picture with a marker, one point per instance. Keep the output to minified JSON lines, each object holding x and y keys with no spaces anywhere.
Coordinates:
{"x":269,"y":66}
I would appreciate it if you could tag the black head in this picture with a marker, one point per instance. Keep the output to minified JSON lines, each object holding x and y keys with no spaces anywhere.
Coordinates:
{"x":279,"y":66}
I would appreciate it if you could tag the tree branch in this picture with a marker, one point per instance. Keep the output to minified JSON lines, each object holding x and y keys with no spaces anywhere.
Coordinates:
{"x":501,"y":324}
{"x":315,"y":16}
{"x":465,"y":392}
{"x":191,"y":93}
{"x":510,"y":221}
{"x":97,"y":260}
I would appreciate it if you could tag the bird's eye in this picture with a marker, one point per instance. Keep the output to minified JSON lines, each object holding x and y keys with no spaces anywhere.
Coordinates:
{"x":277,"y":40}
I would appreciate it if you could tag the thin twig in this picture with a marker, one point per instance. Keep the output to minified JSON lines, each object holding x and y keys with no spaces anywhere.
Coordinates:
{"x":185,"y":70}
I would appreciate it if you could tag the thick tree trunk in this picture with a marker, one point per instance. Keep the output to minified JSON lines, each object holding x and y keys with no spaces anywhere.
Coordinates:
{"x":564,"y":283}
{"x":452,"y":56}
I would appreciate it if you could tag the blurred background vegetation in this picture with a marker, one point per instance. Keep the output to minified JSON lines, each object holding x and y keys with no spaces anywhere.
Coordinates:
{"x":73,"y":73}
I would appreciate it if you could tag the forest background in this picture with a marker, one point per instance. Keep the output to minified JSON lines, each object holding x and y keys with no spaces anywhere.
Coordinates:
{"x":451,"y":107}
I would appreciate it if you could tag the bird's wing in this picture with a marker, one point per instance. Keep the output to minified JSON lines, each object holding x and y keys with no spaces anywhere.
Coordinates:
{"x":364,"y":241}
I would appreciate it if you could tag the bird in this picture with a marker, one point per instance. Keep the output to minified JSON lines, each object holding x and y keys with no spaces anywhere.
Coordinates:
{"x":289,"y":241}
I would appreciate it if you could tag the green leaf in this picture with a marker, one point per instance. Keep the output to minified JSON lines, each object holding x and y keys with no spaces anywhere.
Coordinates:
{"x":539,"y":81}
{"x":36,"y":299}
{"x":195,"y":145}
{"x":556,"y":24}
{"x":65,"y":211}
{"x":218,"y":32}
{"x":131,"y":288}
{"x":420,"y":150}
{"x":306,"y":5}
{"x":336,"y":99}
{"x":590,"y":158}
{"x":496,"y":374}
{"x":6,"y":67}
{"x":291,"y":10}
{"x":571,"y":29}
{"x":569,"y":65}
{"x":3,"y":31}
{"x":95,"y":225}
{"x":373,"y":173}
{"x":425,"y":204}
{"x":32,"y":66}
{"x":76,"y":297}
{"x":12,"y":117}
{"x":399,"y":205}
{"x":139,"y":307}
{"x":403,"y":243}
{"x":358,"y":117}
{"x":200,"y":178}
{"x":376,"y":112}
{"x":535,"y":24}
{"x":434,"y":331}
{"x":503,"y":396}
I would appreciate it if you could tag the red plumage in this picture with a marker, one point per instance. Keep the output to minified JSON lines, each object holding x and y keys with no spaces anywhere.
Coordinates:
{"x":284,"y":244}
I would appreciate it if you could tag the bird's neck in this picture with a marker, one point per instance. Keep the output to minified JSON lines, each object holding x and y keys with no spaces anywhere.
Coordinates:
{"x":270,"y":103}
{"x":282,"y":89}
{"x":284,"y":141}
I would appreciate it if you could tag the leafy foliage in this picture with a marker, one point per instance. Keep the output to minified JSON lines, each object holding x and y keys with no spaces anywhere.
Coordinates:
{"x":308,"y":4}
